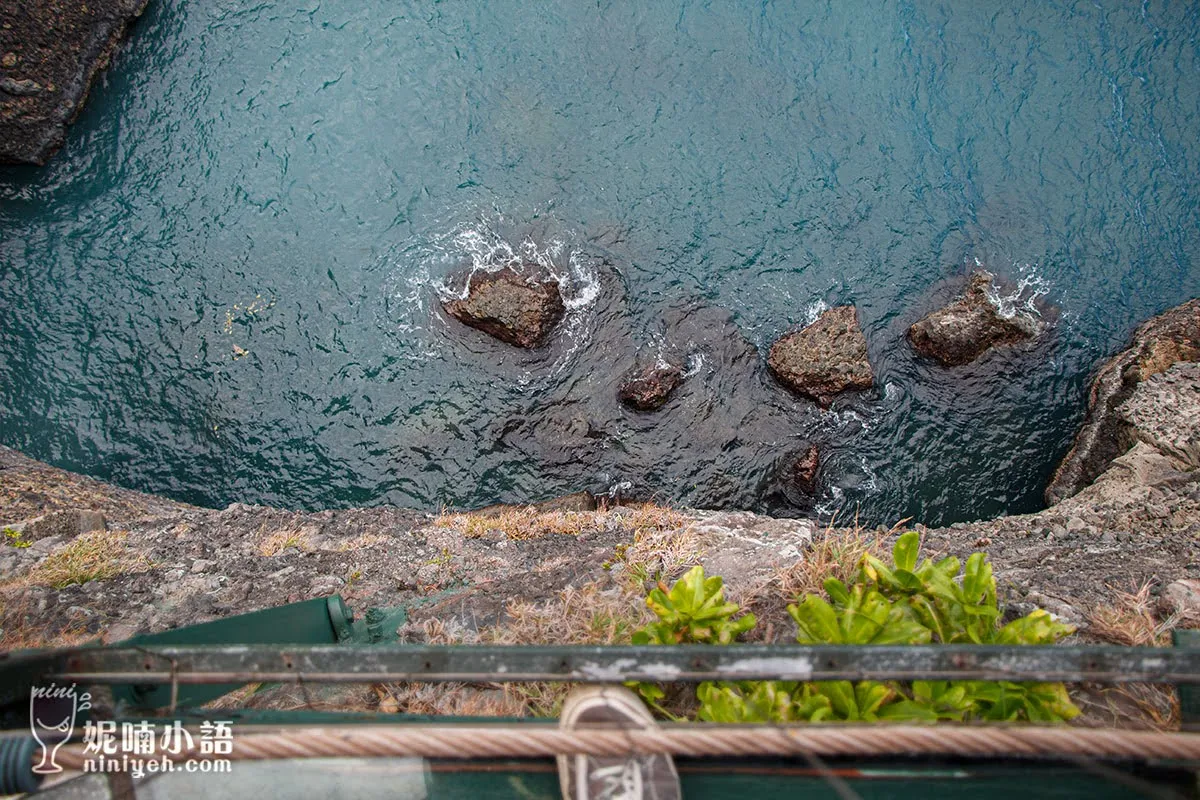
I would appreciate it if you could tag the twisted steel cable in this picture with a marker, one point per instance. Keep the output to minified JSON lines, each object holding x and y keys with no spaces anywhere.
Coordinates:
{"x":536,"y":741}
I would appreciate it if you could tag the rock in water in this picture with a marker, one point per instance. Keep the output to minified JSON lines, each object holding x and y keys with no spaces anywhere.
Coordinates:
{"x":805,"y":469}
{"x":964,"y":330}
{"x":510,"y":307}
{"x":824,"y":359}
{"x":1162,"y":342}
{"x":648,"y":389}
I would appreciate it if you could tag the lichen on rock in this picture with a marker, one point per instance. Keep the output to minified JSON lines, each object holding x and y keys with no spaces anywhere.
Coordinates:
{"x":967,"y":328}
{"x":509,"y":306}
{"x":825,"y":358}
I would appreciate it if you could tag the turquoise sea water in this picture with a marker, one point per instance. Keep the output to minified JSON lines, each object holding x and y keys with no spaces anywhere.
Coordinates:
{"x":226,"y":286}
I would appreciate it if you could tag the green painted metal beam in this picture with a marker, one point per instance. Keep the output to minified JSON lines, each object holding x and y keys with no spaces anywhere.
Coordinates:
{"x":322,"y":620}
{"x":188,"y":664}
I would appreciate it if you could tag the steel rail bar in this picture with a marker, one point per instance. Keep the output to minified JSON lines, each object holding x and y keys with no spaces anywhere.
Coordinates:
{"x":199,"y":664}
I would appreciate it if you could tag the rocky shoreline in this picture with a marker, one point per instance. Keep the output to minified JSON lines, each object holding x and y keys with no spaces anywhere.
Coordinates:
{"x":170,"y":564}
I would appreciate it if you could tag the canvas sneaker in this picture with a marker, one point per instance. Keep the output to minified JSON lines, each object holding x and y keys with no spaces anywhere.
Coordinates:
{"x":640,"y":777}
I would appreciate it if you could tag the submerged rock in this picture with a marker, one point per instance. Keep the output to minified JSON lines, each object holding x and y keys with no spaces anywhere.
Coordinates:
{"x":510,"y":307}
{"x":649,"y":388}
{"x":1109,"y":431}
{"x":805,"y":470}
{"x":824,"y":359}
{"x":970,"y":326}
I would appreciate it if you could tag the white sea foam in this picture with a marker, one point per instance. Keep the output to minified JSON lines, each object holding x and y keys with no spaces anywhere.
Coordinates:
{"x":695,"y":364}
{"x":813,"y":310}
{"x":438,"y":267}
{"x":1023,"y":298}
{"x":481,"y":248}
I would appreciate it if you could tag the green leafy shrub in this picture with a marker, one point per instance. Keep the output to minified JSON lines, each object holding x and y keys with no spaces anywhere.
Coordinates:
{"x":901,"y":603}
{"x":694,"y":611}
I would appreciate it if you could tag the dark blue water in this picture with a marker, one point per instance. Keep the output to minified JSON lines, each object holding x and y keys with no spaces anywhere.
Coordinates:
{"x":225,"y":287}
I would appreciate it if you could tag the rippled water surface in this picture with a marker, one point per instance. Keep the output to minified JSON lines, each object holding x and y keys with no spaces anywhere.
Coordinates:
{"x":226,"y":286}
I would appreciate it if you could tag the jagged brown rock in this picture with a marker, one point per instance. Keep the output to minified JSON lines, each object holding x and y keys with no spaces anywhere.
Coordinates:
{"x":1156,"y":346}
{"x":510,"y":307}
{"x":650,"y":388}
{"x":50,"y":52}
{"x":806,"y":468}
{"x":824,"y":359}
{"x":970,"y":326}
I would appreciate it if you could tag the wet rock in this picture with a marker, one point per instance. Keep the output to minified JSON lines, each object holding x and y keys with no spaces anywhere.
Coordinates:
{"x":649,"y":388}
{"x":1156,"y":346}
{"x":59,"y":48}
{"x":805,"y":470}
{"x":970,"y":326}
{"x":824,"y":359}
{"x":512,"y":308}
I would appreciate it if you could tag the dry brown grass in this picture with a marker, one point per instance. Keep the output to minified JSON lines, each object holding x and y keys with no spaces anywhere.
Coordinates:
{"x":527,"y":522}
{"x":1131,"y":621}
{"x":94,"y":556}
{"x":361,"y":542}
{"x":452,"y":699}
{"x":591,"y":614}
{"x":16,"y":633}
{"x":656,"y":555}
{"x":275,"y":543}
{"x":837,"y":554}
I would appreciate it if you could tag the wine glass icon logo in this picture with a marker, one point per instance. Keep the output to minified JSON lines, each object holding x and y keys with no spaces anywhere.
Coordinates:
{"x":52,"y":713}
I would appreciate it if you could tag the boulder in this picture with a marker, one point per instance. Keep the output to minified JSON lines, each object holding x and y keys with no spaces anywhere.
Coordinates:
{"x":970,"y":326}
{"x":50,"y":54}
{"x":1182,"y":598}
{"x":824,"y":359}
{"x":1157,"y":345}
{"x":510,"y":307}
{"x":649,"y":388}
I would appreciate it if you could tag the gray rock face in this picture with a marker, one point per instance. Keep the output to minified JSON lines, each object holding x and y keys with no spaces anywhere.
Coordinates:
{"x":970,"y":326}
{"x":649,"y":388}
{"x":1164,"y":412}
{"x":52,"y":51}
{"x":824,"y":359}
{"x":1183,"y":598}
{"x":1168,"y":339}
{"x":510,"y":307}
